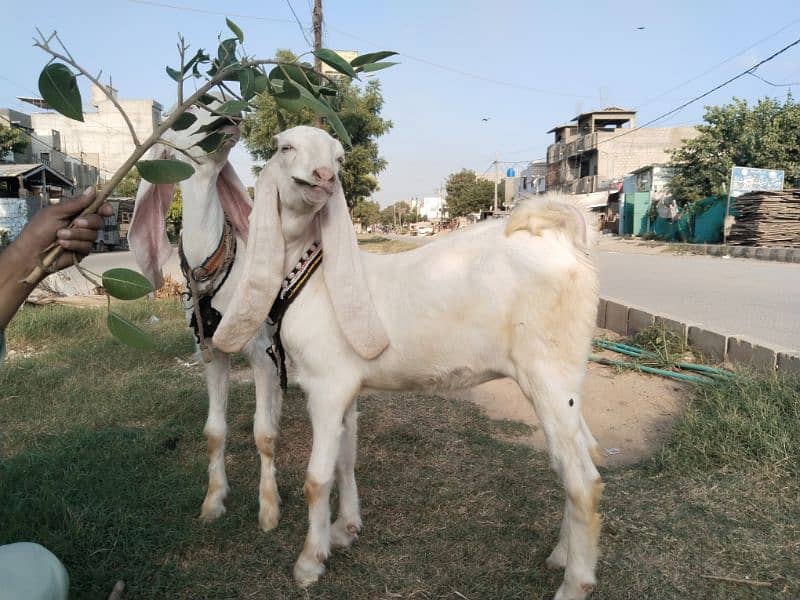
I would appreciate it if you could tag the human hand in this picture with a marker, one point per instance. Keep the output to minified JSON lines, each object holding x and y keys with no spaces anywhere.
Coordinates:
{"x":51,"y":225}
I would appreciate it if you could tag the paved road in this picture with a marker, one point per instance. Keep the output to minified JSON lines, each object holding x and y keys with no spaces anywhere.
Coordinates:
{"x":759,"y":299}
{"x":755,"y":298}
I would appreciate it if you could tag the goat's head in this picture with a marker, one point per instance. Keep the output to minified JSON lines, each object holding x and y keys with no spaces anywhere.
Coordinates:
{"x":147,"y":235}
{"x":297,"y":195}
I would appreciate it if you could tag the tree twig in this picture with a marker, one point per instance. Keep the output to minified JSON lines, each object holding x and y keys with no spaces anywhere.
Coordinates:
{"x":44,"y":45}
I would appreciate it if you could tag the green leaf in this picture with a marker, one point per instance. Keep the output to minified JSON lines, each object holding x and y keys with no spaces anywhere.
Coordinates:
{"x":291,"y":73}
{"x":184,"y":121}
{"x":231,"y":108}
{"x":213,"y":142}
{"x":174,"y":74}
{"x":369,"y":68}
{"x":371,"y":58}
{"x":164,"y":171}
{"x":125,"y":284}
{"x":320,"y":107}
{"x":59,"y":89}
{"x":235,"y":29}
{"x":207,"y":99}
{"x":326,"y":91}
{"x":261,"y":83}
{"x":331,"y":58}
{"x":128,"y":333}
{"x":200,"y":57}
{"x":226,"y":53}
{"x":247,"y":80}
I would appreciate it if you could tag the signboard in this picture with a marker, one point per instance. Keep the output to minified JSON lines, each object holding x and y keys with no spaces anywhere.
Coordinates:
{"x":747,"y":179}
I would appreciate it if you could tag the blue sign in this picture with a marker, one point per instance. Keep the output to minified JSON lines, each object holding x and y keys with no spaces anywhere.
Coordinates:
{"x":747,"y":179}
{"x":510,"y":172}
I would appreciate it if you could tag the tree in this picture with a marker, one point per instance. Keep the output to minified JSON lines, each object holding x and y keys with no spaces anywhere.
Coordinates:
{"x":359,"y":109}
{"x":12,"y":140}
{"x":468,"y":194}
{"x":766,"y":135}
{"x":368,"y":212}
{"x":128,"y":186}
{"x":395,"y":214}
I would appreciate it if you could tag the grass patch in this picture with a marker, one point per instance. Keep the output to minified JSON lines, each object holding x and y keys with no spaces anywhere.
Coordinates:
{"x":382,"y":245}
{"x":104,"y":462}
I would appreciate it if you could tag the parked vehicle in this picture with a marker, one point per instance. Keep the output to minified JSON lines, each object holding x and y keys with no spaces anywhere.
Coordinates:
{"x":114,"y":234}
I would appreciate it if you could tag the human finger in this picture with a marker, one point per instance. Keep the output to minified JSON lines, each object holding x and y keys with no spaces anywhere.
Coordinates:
{"x":78,"y":246}
{"x":78,"y":234}
{"x":76,"y":204}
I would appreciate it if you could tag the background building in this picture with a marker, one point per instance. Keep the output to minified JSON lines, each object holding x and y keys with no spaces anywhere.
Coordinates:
{"x":604,"y":145}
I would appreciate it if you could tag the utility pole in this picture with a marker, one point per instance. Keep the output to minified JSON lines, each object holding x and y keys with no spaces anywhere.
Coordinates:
{"x":317,"y":18}
{"x":496,"y":181}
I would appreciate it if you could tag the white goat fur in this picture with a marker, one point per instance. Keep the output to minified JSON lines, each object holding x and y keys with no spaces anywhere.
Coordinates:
{"x":211,"y":194}
{"x":513,"y":298}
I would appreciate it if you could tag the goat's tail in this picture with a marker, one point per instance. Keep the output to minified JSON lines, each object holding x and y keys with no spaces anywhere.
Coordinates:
{"x":559,"y":212}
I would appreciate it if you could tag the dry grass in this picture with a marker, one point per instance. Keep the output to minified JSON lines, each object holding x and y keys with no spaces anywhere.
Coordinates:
{"x":382,"y":245}
{"x":104,"y":462}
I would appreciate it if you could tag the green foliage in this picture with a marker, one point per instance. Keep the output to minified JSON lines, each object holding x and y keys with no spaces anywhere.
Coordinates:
{"x":125,"y":284}
{"x":367,"y":211}
{"x":128,"y":333}
{"x":128,"y":186}
{"x":59,"y":88}
{"x":766,"y":135}
{"x":396,"y":214}
{"x":359,"y":109}
{"x":467,"y":194}
{"x":165,"y":170}
{"x":12,"y":140}
{"x":175,"y":214}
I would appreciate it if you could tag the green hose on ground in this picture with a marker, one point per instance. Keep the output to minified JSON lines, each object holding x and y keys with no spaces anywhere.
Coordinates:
{"x":641,"y":353}
{"x":645,"y":369}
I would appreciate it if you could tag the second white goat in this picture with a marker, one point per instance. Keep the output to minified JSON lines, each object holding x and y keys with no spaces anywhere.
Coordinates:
{"x":514,"y":298}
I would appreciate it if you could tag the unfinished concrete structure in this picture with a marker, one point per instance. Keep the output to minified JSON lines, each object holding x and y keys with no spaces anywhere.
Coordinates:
{"x":102,"y":139}
{"x":602,"y":146}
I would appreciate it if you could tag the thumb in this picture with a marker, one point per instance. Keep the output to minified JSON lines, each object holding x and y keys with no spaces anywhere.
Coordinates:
{"x":75,"y":205}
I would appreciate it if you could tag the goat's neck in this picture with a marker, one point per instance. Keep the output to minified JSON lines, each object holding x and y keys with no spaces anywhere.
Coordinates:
{"x":203,"y":220}
{"x":299,"y":233}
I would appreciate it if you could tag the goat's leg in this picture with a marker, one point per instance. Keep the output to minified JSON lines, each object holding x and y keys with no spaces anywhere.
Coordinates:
{"x":327,"y":408}
{"x":217,"y":379}
{"x":557,"y":403}
{"x":266,"y":420}
{"x":344,"y":530}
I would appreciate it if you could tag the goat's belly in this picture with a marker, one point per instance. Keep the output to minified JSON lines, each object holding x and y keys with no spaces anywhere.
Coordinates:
{"x":439,"y":379}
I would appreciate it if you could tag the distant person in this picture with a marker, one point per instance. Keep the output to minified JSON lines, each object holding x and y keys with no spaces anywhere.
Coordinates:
{"x":28,"y":571}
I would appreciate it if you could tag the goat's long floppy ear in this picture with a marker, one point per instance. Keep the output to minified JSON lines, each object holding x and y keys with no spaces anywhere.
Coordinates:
{"x":147,"y":234}
{"x":346,"y":282}
{"x":262,"y":271}
{"x":234,"y":199}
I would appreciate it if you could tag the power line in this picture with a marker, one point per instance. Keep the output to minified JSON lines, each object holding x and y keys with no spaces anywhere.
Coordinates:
{"x":790,"y":84}
{"x":299,"y":24}
{"x":209,"y":12}
{"x":719,"y":64}
{"x":358,"y":38}
{"x":704,"y":94}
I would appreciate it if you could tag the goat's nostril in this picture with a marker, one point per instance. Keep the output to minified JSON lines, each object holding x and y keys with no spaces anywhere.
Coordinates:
{"x":324,"y":174}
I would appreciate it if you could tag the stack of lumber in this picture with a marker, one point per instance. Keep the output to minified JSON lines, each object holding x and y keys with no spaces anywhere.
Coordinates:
{"x":767,"y":219}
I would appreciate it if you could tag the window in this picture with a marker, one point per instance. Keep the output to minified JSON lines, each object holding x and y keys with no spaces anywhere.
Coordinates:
{"x":44,"y":158}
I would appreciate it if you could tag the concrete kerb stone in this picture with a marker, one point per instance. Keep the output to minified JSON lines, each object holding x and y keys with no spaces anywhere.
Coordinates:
{"x":709,"y":343}
{"x":601,"y":313}
{"x":639,"y":320}
{"x":745,"y":352}
{"x":625,"y":319}
{"x":789,"y":362}
{"x":616,"y":317}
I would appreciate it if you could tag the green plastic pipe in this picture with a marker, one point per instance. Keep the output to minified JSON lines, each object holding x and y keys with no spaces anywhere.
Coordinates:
{"x":641,"y":353}
{"x":645,"y":369}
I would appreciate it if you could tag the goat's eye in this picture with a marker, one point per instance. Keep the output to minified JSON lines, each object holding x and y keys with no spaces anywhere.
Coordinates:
{"x":340,"y":160}
{"x":287,"y":148}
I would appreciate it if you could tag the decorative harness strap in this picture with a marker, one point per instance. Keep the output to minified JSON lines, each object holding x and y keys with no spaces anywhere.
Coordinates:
{"x":293,"y":283}
{"x":204,"y":282}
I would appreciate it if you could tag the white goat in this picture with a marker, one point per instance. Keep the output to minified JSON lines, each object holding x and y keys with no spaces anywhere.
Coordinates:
{"x":212,"y":196}
{"x":513,"y":298}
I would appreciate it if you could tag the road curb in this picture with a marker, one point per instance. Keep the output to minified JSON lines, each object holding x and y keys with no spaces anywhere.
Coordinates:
{"x":766,"y":253}
{"x":627,"y":319}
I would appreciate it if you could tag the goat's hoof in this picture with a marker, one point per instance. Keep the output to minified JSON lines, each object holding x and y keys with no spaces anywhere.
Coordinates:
{"x":557,"y":558}
{"x":268,"y":518}
{"x":307,"y":572}
{"x":343,"y":534}
{"x":211,"y":512}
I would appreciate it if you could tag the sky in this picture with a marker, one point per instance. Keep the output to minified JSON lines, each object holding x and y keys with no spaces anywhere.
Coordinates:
{"x":477,"y":80}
